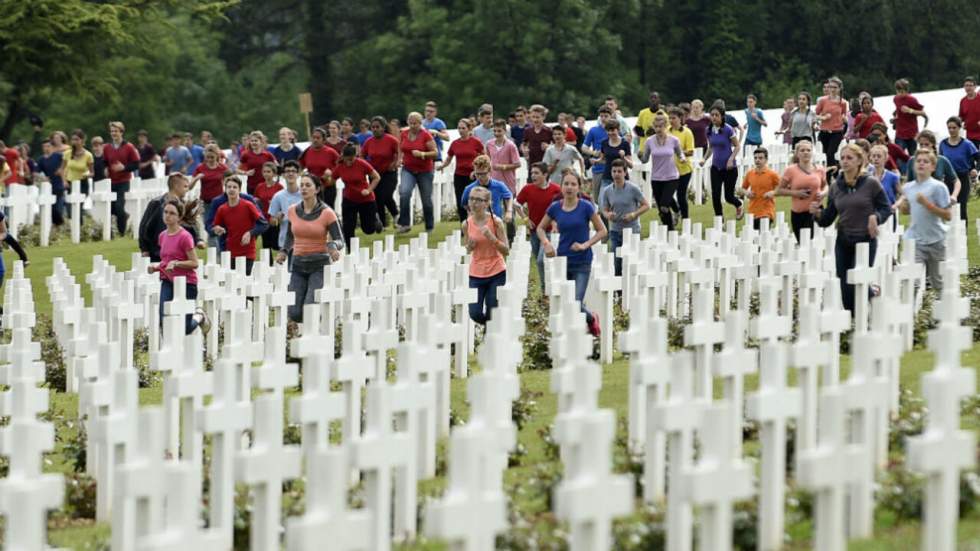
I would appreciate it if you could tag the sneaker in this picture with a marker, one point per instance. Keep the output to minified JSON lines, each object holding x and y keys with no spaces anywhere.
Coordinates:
{"x":594,"y":329}
{"x":402,"y":229}
{"x":739,"y":213}
{"x":205,"y":323}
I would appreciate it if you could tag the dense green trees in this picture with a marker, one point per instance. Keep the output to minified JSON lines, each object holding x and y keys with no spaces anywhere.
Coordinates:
{"x":229,"y":66}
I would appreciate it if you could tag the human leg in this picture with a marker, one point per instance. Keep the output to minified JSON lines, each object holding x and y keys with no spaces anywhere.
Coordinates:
{"x":459,"y":186}
{"x":730,"y":178}
{"x":119,"y":206}
{"x":478,"y":309}
{"x":349,"y":223}
{"x":615,"y":242}
{"x":681,"y":195}
{"x":579,"y":273}
{"x":190,"y":324}
{"x":383,"y":197}
{"x":425,"y":190}
{"x":716,"y":183}
{"x":844,"y":253}
{"x":931,"y":256}
{"x":537,"y":256}
{"x":964,"y":197}
{"x":368,"y":213}
{"x":405,"y":191}
{"x":664,"y":192}
{"x":297,"y":284}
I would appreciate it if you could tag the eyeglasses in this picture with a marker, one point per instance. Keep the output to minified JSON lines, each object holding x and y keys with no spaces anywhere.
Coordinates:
{"x":477,"y":200}
{"x":290,"y":171}
{"x":481,"y":174}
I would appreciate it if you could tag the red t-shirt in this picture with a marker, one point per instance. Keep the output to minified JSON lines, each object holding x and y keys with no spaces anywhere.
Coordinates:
{"x":896,"y":154}
{"x":570,"y":136}
{"x":254,"y":161}
{"x":970,"y":113}
{"x":538,"y":200}
{"x":409,"y":161}
{"x":381,"y":152}
{"x":265,"y":194}
{"x":319,"y":161}
{"x":211,"y":186}
{"x":338,"y":147}
{"x":125,"y":154}
{"x":356,"y":177}
{"x":465,"y":151}
{"x":237,"y":221}
{"x":873,"y":119}
{"x":13,"y":163}
{"x":906,"y":124}
{"x":536,"y":142}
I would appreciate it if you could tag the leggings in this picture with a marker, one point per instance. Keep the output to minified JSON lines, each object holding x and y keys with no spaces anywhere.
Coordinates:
{"x":663,"y":194}
{"x":459,"y":186}
{"x":964,"y":195}
{"x":723,"y":177}
{"x":680,"y":203}
{"x":329,"y":195}
{"x":845,"y":250}
{"x":305,"y":286}
{"x":486,"y":296}
{"x":384,"y":197}
{"x":15,"y":245}
{"x":119,"y":206}
{"x":800,"y":221}
{"x":351,"y":211}
{"x":831,"y":142}
{"x":270,"y":238}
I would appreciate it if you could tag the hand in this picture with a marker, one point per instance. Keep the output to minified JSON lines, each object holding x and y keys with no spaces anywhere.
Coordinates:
{"x":731,"y":162}
{"x":578,"y":247}
{"x":365,"y":192}
{"x":118,"y":167}
{"x":815,"y":208}
{"x":873,"y":226}
{"x":508,"y":216}
{"x":246,"y":238}
{"x":151,"y":268}
{"x":629,"y":217}
{"x":144,"y":253}
{"x":274,"y":220}
{"x":906,"y":109}
{"x":416,"y":153}
{"x":921,"y":199}
{"x":702,"y":161}
{"x":334,"y":254}
{"x":769,"y":194}
{"x":973,"y":174}
{"x":622,"y":154}
{"x":171,"y":266}
{"x":280,"y":257}
{"x":487,"y":233}
{"x":549,"y":250}
{"x":218,"y":230}
{"x":201,"y":245}
{"x":801,"y":193}
{"x":750,"y":194}
{"x":250,"y":172}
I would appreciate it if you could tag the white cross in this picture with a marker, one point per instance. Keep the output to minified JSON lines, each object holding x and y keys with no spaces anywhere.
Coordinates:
{"x":241,"y":350}
{"x":138,"y":504}
{"x":861,"y":276}
{"x":732,"y":364}
{"x":44,"y":200}
{"x":184,"y":390}
{"x":808,"y":354}
{"x":351,"y":370}
{"x":702,"y":334}
{"x":437,"y":368}
{"x":772,"y":406}
{"x":75,"y":200}
{"x":770,"y":325}
{"x":414,"y":405}
{"x":317,"y":406}
{"x":275,"y":375}
{"x":265,"y":466}
{"x":834,"y":321}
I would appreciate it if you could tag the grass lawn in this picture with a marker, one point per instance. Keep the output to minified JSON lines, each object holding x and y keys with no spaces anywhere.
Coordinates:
{"x":86,"y":535}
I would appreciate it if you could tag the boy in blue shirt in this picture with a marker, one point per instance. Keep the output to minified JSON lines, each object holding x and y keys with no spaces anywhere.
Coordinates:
{"x":501,"y":199}
{"x":928,"y":201}
{"x":755,"y":119}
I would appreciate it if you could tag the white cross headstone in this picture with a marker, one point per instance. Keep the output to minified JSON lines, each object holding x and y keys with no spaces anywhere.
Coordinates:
{"x":702,"y":334}
{"x":75,"y":199}
{"x":732,"y":364}
{"x":862,"y":276}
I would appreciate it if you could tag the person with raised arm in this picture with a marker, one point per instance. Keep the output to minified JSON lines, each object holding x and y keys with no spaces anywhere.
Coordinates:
{"x":928,"y":201}
{"x":418,"y":153}
{"x":905,"y":119}
{"x":464,"y":149}
{"x":177,"y":258}
{"x":121,"y":159}
{"x":723,"y":146}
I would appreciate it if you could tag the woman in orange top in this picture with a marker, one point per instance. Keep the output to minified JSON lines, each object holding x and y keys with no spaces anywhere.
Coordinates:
{"x":486,"y":241}
{"x":313,"y":240}
{"x":806,"y":183}
{"x":760,"y":186}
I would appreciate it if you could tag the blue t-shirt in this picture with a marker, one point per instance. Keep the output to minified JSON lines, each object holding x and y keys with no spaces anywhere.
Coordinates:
{"x":49,"y":166}
{"x":720,"y":142}
{"x":362,"y":137}
{"x":574,"y":228}
{"x":517,"y":135}
{"x":889,"y":182}
{"x":753,"y":128}
{"x":435,"y":124}
{"x":925,"y":227}
{"x":597,"y":134}
{"x":197,"y":153}
{"x":280,"y":204}
{"x":962,"y":156}
{"x":179,"y":158}
{"x":499,"y":192}
{"x":283,"y":155}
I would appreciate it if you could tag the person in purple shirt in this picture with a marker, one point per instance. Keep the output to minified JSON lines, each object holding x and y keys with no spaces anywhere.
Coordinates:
{"x":722,"y":146}
{"x":661,"y":148}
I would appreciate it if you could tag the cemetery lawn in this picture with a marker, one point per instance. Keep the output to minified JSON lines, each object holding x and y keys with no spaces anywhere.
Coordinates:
{"x":523,"y":482}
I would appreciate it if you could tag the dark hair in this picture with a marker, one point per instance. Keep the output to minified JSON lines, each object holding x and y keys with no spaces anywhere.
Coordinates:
{"x":142,"y":133}
{"x":380,"y":120}
{"x":970,"y":78}
{"x":317,"y":182}
{"x":520,"y":109}
{"x":348,"y":120}
{"x":902,"y":84}
{"x":500,"y":123}
{"x":720,"y":109}
{"x":809,"y":98}
{"x":761,"y":150}
{"x":231,"y":176}
{"x":176,"y":204}
{"x":618,"y":163}
{"x":350,"y":150}
{"x":81,"y":135}
{"x":541,"y":166}
{"x":174,"y":176}
{"x":176,"y":136}
{"x":880,"y":126}
{"x":752,"y":97}
{"x":431,"y":104}
{"x":676,"y":111}
{"x":292,"y":164}
{"x":954,"y":119}
{"x":612,"y":124}
{"x":605,"y":110}
{"x":484,"y":111}
{"x":321,"y":131}
{"x":271,"y":165}
{"x":610,"y":97}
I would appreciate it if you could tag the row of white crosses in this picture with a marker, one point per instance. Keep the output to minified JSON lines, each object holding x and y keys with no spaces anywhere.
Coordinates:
{"x":26,"y":493}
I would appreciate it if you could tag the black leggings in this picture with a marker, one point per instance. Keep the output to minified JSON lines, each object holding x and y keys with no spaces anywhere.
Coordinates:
{"x":680,"y":204}
{"x":459,"y":186}
{"x":831,"y":141}
{"x":329,"y":196}
{"x":964,"y":195}
{"x":119,"y":205}
{"x":15,"y":245}
{"x":351,"y":211}
{"x":801,"y":221}
{"x":663,"y":194}
{"x":384,"y":197}
{"x":270,"y":238}
{"x":846,"y":252}
{"x":726,"y":177}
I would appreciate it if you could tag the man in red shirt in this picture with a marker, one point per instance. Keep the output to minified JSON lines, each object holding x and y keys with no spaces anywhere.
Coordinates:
{"x":536,"y":137}
{"x":14,"y":164}
{"x":241,"y":222}
{"x":121,"y":158}
{"x":906,"y":116}
{"x":381,"y":151}
{"x":970,"y":110}
{"x":536,"y":197}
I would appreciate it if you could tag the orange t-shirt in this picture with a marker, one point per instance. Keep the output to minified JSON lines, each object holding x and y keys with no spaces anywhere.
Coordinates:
{"x":486,"y":260}
{"x":761,"y":183}
{"x":797,"y":179}
{"x":310,"y":236}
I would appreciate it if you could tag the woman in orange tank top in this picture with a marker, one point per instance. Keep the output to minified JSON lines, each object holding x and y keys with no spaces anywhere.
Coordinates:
{"x":486,"y":241}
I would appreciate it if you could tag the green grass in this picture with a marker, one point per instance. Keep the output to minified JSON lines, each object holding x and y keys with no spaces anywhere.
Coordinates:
{"x":86,"y":535}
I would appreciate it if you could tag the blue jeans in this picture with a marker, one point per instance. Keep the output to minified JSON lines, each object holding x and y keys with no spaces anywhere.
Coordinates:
{"x":58,"y":209}
{"x":909,"y":146}
{"x":409,"y":180}
{"x":537,"y":255}
{"x":304,"y":283}
{"x":615,"y":242}
{"x":167,"y":294}
{"x":486,"y":296}
{"x":580,"y":274}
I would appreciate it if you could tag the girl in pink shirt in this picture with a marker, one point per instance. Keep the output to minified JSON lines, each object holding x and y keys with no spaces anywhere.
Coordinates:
{"x":831,"y":112}
{"x":178,"y":259}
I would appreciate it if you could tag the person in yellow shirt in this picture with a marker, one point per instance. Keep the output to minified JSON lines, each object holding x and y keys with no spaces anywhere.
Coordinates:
{"x":686,"y":137}
{"x":759,"y":186}
{"x":644,"y":120}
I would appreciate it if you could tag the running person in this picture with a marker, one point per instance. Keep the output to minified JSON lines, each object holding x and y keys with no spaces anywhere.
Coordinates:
{"x":486,"y":240}
{"x":622,"y":203}
{"x":464,"y":149}
{"x":240,"y":221}
{"x":360,"y":180}
{"x":806,"y":183}
{"x":662,"y":149}
{"x":684,"y":168}
{"x":830,"y":111}
{"x":320,"y":160}
{"x":418,"y":151}
{"x":724,"y":174}
{"x":178,"y":259}
{"x":264,"y":192}
{"x":253,"y":159}
{"x":964,"y":157}
{"x":381,"y":150}
{"x":536,"y":197}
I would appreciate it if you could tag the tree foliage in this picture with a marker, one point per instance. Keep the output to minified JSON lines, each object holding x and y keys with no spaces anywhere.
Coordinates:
{"x":230,"y":66}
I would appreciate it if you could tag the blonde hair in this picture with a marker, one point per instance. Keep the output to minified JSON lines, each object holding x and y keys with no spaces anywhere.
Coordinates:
{"x":857,"y":150}
{"x":927,"y":153}
{"x":414,"y":115}
{"x":660,"y":118}
{"x":117,"y":124}
{"x":883,"y":149}
{"x":482,"y":162}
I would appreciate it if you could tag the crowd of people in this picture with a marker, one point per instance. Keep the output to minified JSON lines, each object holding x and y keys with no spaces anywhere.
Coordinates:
{"x":282,"y":197}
